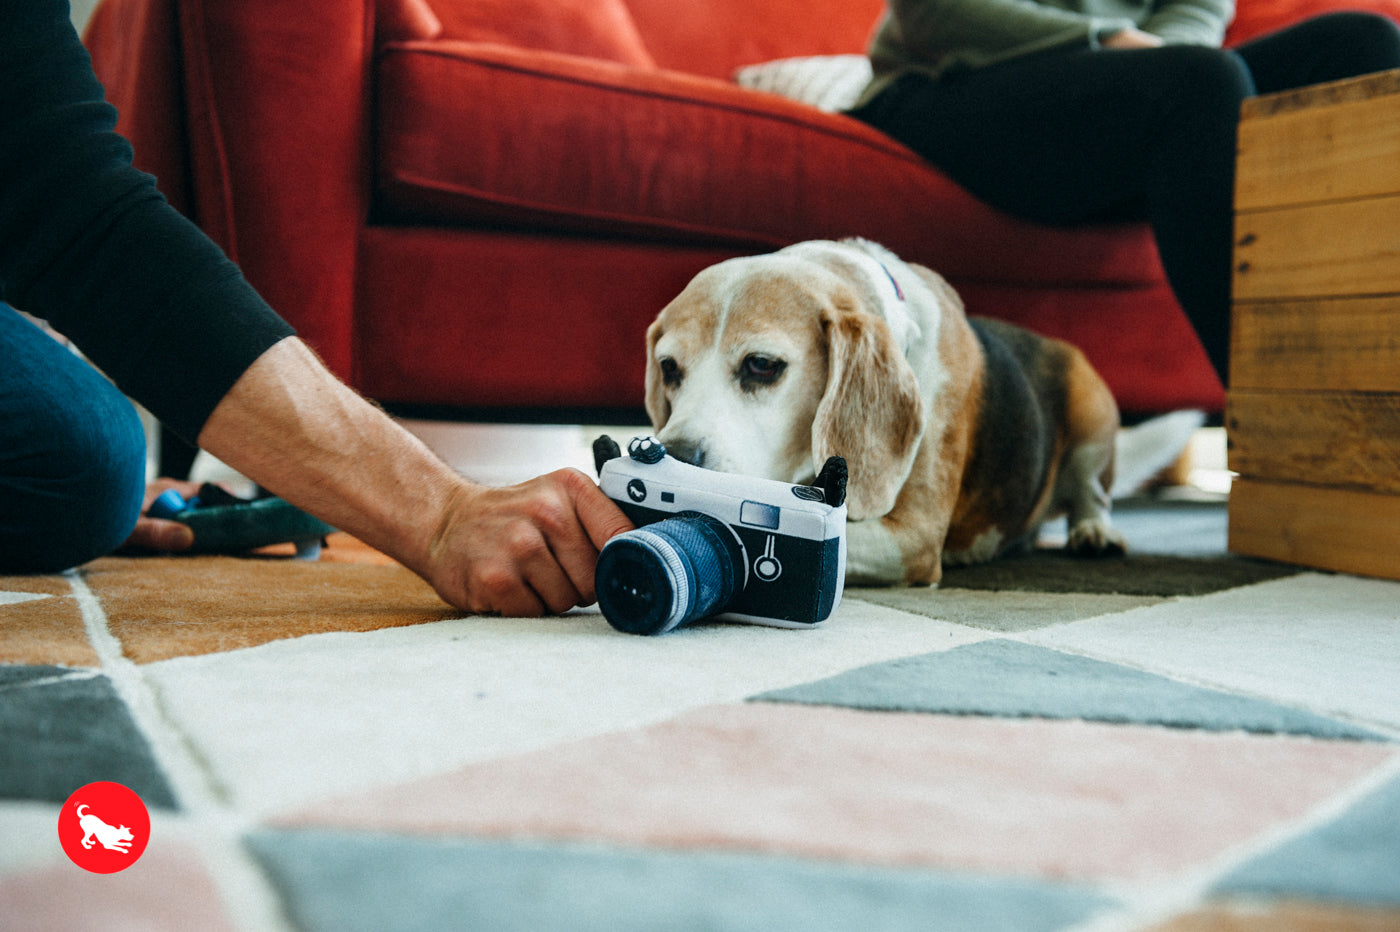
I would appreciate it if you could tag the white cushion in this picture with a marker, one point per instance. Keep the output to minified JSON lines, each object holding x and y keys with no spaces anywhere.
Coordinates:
{"x":827,"y":82}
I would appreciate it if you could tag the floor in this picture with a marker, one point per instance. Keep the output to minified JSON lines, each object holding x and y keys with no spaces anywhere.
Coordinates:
{"x":1097,"y":759}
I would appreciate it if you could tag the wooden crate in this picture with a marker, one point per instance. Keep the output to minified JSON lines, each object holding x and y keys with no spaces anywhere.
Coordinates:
{"x":1313,"y":414}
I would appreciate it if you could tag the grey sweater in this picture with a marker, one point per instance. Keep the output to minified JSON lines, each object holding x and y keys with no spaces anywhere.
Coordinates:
{"x":939,"y":36}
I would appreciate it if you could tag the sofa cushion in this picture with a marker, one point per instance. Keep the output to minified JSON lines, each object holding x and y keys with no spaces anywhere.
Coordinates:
{"x":591,"y":28}
{"x":479,"y":135}
{"x":714,"y":37}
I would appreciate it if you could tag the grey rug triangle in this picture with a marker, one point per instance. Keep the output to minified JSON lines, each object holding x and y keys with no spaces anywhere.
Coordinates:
{"x":61,"y":728}
{"x":1350,"y":858}
{"x":1007,"y":678}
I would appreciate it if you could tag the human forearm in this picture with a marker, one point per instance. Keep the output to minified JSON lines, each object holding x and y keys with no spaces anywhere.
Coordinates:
{"x":301,"y":433}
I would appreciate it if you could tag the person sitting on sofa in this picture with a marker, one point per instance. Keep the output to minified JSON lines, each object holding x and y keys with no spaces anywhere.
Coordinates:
{"x":1070,"y":111}
{"x":88,"y":244}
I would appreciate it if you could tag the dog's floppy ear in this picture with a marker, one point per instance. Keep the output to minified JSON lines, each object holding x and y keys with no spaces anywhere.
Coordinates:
{"x":658,"y":408}
{"x":871,"y":412}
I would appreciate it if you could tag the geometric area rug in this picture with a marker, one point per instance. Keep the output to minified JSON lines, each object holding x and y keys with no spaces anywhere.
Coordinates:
{"x":1167,"y":742}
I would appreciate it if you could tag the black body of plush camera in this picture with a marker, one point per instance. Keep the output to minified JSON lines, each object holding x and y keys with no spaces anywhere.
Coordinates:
{"x":718,"y":545}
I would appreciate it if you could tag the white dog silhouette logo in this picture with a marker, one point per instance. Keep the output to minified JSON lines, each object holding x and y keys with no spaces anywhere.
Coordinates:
{"x":111,"y":837}
{"x":103,"y":827}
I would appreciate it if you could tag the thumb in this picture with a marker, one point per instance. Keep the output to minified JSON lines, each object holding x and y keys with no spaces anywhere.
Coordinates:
{"x":600,"y":516}
{"x":159,"y":534}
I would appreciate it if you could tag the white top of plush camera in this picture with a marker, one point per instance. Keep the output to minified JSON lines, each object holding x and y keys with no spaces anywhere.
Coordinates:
{"x":667,"y":484}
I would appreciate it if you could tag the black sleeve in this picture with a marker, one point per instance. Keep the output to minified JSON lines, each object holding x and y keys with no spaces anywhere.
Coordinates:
{"x":88,"y":243}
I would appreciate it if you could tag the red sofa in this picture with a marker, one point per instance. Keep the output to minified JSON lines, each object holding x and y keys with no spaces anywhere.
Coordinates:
{"x":475,"y":207}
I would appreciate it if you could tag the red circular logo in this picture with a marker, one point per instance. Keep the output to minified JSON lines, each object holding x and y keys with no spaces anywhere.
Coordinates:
{"x":104,"y":827}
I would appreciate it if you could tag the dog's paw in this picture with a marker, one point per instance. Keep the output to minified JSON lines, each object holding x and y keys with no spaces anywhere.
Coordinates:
{"x":1095,"y":538}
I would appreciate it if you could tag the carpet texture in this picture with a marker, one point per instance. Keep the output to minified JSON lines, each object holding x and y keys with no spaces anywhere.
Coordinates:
{"x":1175,"y":741}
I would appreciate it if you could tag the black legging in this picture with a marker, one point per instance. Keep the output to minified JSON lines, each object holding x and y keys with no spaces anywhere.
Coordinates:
{"x":1064,"y":138}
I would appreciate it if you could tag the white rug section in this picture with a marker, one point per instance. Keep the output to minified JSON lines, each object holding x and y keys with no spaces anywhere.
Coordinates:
{"x":294,"y":721}
{"x":30,"y":830}
{"x":15,"y":598}
{"x":1329,"y":644}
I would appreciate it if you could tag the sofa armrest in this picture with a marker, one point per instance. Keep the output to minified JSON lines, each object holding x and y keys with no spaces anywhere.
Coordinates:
{"x":1255,"y":18}
{"x":135,"y":52}
{"x":278,"y":110}
{"x":255,"y":116}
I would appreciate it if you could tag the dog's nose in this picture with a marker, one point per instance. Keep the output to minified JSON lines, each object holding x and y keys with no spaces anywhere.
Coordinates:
{"x":687,"y":452}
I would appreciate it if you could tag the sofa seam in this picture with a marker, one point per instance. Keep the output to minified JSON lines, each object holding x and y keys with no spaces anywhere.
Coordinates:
{"x":720,"y":235}
{"x":194,"y":32}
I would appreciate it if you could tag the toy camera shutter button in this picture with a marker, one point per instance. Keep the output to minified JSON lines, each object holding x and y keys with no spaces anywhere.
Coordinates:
{"x":646,"y":450}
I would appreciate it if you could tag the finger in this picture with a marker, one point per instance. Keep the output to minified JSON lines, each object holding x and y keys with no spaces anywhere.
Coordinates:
{"x":602,"y":520}
{"x":572,"y":542}
{"x":552,"y":586}
{"x":501,"y":590}
{"x":537,"y":549}
{"x":573,"y":554}
{"x":162,"y":535}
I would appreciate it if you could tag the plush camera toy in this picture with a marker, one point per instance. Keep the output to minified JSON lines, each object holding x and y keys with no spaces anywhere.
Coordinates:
{"x":717,"y":545}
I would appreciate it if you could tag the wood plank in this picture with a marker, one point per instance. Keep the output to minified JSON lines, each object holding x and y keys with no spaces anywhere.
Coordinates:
{"x":1335,"y":439}
{"x":1350,"y":248}
{"x":1329,"y":142}
{"x":1380,"y":84}
{"x":1332,"y":529}
{"x":1341,"y":344}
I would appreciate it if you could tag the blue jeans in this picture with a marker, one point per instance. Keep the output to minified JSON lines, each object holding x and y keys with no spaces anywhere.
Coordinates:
{"x":72,"y":455}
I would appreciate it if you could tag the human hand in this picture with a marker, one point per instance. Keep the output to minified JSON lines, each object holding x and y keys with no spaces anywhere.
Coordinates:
{"x":159,"y":534}
{"x":298,"y":431}
{"x":527,"y":549}
{"x":1131,"y":39}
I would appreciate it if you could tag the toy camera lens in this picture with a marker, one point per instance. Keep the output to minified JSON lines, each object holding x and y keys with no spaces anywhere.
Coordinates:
{"x":667,"y":574}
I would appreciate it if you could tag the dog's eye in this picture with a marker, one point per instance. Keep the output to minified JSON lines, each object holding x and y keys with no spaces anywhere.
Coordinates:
{"x":670,"y":371}
{"x":760,"y":370}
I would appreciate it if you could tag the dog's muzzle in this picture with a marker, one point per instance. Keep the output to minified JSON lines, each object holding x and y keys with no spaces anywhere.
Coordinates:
{"x":686,"y":451}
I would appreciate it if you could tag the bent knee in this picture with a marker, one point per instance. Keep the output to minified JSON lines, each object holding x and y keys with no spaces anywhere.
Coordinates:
{"x":1373,"y":40}
{"x":1357,"y":28}
{"x":78,"y":495}
{"x":1205,"y":80}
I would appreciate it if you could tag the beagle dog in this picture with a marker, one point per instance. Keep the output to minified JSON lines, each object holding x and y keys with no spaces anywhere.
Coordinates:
{"x":962,"y":434}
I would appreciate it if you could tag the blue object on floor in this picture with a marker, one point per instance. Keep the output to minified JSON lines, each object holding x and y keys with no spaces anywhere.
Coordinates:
{"x":223,"y":523}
